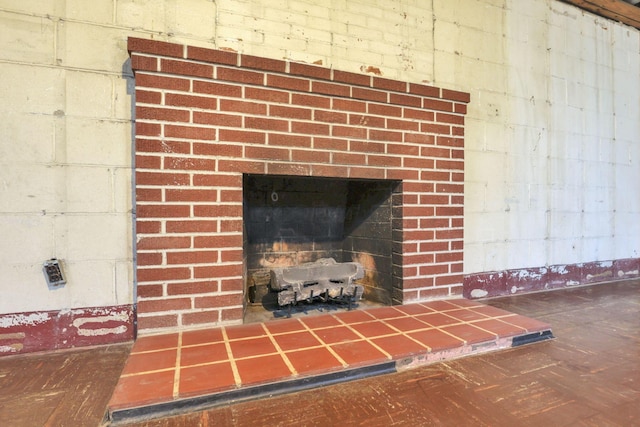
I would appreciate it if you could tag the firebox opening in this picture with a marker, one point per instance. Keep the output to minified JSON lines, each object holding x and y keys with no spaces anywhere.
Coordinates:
{"x":289,"y":221}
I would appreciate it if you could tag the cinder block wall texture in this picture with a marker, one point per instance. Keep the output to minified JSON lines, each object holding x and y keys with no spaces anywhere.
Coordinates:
{"x":551,"y":155}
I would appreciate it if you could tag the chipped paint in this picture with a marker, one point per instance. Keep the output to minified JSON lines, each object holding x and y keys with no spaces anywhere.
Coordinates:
{"x":31,"y":319}
{"x":371,"y":70}
{"x":559,"y":269}
{"x":67,"y":328}
{"x":604,"y":264}
{"x":11,"y":348}
{"x":622,"y":273}
{"x":14,"y":336}
{"x":80,"y":322}
{"x":509,"y":282}
{"x":479,"y":293}
{"x":599,"y":275}
{"x":531,"y":274}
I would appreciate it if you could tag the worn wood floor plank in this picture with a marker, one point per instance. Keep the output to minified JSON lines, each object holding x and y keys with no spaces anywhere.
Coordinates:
{"x":65,"y":388}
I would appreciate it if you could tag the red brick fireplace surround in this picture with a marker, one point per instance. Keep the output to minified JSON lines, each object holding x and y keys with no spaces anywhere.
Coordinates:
{"x":207,"y":119}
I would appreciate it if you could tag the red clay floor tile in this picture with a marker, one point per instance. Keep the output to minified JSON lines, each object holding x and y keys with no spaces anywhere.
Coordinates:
{"x":315,"y":360}
{"x":406,"y":324}
{"x":202,"y":336}
{"x":487,"y":310}
{"x":465,"y":303}
{"x":206,"y":353}
{"x":440,"y":305}
{"x":469,"y":333}
{"x":139,"y":390}
{"x":205,"y":379}
{"x":252,"y":347}
{"x":436,"y":340}
{"x":245,"y":331}
{"x":354,"y":316}
{"x":284,"y":325}
{"x":322,"y":321}
{"x":258,"y":370}
{"x":437,"y":319}
{"x":150,"y":361}
{"x":399,"y":346}
{"x":155,"y":342}
{"x":414,"y":309}
{"x":531,"y":325}
{"x":336,"y":334}
{"x":501,"y":329}
{"x":466,"y":315}
{"x":296,"y":340}
{"x":386,"y":313}
{"x":373,"y":329}
{"x":359,"y":353}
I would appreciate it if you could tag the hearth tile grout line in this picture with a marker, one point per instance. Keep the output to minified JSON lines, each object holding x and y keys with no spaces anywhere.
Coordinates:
{"x":325,"y":345}
{"x":406,"y":334}
{"x":497,"y":335}
{"x":513,"y":324}
{"x":234,"y":368}
{"x":521,"y":327}
{"x":464,"y":341}
{"x":389,"y":356}
{"x":274,"y":333}
{"x":155,"y":350}
{"x":140,"y":373}
{"x":279,"y":351}
{"x":400,"y":313}
{"x":176,"y":375}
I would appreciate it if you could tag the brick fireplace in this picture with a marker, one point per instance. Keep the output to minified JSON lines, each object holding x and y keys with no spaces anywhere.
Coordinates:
{"x":226,"y":143}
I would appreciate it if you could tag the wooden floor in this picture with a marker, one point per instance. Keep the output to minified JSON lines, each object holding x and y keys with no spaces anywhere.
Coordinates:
{"x":588,"y":376}
{"x":62,"y":388}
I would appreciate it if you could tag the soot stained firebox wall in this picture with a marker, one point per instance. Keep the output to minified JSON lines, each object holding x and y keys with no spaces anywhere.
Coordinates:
{"x":293,"y":220}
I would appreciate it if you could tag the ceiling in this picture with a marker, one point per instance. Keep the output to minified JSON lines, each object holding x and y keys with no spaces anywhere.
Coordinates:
{"x":625,"y":11}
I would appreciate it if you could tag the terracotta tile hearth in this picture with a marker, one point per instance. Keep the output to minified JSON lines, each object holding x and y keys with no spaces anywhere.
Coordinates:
{"x":180,"y":371}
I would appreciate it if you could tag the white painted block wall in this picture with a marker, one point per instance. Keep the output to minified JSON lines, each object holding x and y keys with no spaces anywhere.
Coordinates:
{"x":552,"y":154}
{"x":552,"y":157}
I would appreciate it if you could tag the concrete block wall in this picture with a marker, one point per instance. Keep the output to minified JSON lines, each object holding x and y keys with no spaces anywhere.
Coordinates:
{"x":65,"y":177}
{"x":551,"y":156}
{"x":551,"y":129}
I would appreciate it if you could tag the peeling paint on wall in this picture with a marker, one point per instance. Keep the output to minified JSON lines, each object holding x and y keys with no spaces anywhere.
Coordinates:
{"x":479,"y":293}
{"x":628,"y":273}
{"x":52,"y":330}
{"x":509,"y":282}
{"x":79,"y":323}
{"x":8,"y":342}
{"x":31,"y":319}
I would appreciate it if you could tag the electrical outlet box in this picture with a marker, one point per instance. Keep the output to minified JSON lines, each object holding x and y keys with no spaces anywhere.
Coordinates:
{"x":53,"y":273}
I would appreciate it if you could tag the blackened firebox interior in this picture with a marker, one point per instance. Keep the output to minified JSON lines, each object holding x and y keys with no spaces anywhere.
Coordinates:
{"x":295,"y":220}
